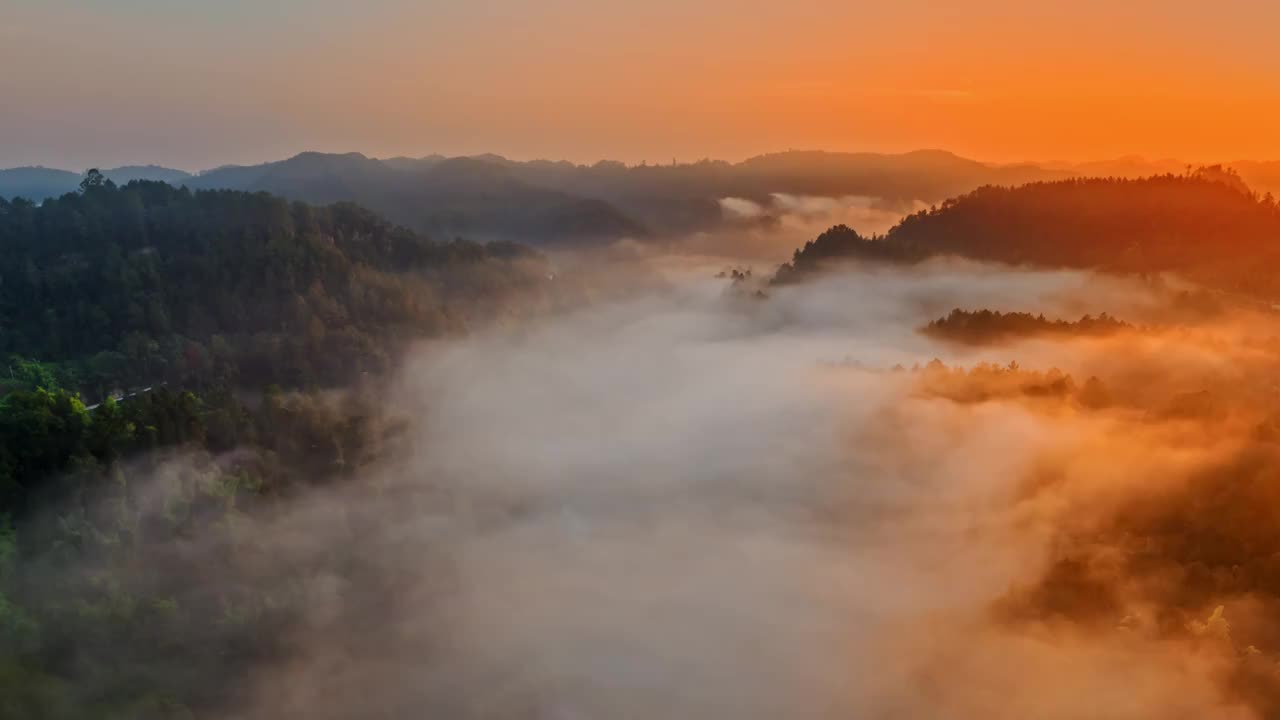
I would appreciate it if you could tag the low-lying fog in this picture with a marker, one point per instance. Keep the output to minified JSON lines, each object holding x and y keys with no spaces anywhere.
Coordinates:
{"x":693,"y":502}
{"x":769,"y":231}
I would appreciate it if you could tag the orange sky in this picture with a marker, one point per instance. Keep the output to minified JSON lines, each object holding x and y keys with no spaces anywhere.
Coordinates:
{"x":195,"y":84}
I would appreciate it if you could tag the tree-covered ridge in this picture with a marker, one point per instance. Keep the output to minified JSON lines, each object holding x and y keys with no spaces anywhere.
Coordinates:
{"x":456,"y":196}
{"x":143,"y":283}
{"x":177,"y":301}
{"x":1204,"y":225}
{"x":39,"y":183}
{"x":107,"y":514}
{"x":988,"y":382}
{"x":978,"y":327}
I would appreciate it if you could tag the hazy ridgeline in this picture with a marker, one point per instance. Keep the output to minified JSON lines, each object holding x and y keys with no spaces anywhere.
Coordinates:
{"x":769,"y":203}
{"x":1206,"y":225}
{"x":624,"y":487}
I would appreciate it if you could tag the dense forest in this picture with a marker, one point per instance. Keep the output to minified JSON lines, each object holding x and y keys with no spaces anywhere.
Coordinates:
{"x":542,"y":201}
{"x":1205,"y":226}
{"x":556,"y":202}
{"x":987,"y":326}
{"x":986,"y":382}
{"x":140,"y":325}
{"x":114,"y":288}
{"x":100,"y":511}
{"x":192,"y":374}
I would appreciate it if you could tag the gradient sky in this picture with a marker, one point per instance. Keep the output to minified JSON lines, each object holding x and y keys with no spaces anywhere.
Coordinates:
{"x":197,"y":83}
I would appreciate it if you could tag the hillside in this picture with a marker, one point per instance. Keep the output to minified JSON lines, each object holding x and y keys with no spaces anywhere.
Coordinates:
{"x":128,"y":173}
{"x":488,"y":197}
{"x":39,"y":183}
{"x":457,"y":197}
{"x":1205,"y":226}
{"x":199,"y":303}
{"x":145,"y":283}
{"x":36,"y":183}
{"x":677,"y":198}
{"x":685,"y":197}
{"x":927,"y":175}
{"x":1260,"y":175}
{"x":986,"y":326}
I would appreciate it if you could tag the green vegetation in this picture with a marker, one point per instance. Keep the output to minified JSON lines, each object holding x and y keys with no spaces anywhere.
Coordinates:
{"x":159,"y":548}
{"x":122,"y":287}
{"x":985,"y":326}
{"x":481,"y":198}
{"x":1205,"y":226}
{"x":99,"y":615}
{"x":139,"y":324}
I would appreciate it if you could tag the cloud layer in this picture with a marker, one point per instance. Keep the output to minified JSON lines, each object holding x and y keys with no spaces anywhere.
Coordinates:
{"x":692,"y":504}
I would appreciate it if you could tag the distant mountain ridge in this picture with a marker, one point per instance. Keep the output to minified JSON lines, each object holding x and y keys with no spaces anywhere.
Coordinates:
{"x":488,"y":197}
{"x":40,"y":183}
{"x":36,"y":183}
{"x":476,"y":198}
{"x":538,"y":201}
{"x":128,"y":173}
{"x":1262,"y":176}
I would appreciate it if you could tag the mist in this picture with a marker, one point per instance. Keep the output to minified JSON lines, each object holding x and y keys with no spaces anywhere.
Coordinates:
{"x":684,"y":499}
{"x":594,"y":360}
{"x":768,"y":231}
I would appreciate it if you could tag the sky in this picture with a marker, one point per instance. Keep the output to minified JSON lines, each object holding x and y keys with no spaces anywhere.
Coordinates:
{"x":195,"y":84}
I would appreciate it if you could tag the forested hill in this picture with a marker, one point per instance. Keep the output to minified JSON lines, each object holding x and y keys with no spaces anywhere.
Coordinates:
{"x":1205,"y":225}
{"x":38,"y":183}
{"x":122,"y":286}
{"x":457,"y":196}
{"x":104,"y":612}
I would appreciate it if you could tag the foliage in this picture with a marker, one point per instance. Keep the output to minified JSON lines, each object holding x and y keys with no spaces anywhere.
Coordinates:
{"x":120,"y":287}
{"x":1203,"y":225}
{"x":986,"y":326}
{"x":122,"y":295}
{"x":99,"y":616}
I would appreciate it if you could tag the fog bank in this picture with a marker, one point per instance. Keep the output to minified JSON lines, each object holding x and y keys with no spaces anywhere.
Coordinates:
{"x":694,"y":503}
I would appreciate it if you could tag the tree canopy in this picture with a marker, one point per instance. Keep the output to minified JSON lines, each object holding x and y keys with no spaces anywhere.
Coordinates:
{"x":145,"y":283}
{"x":1204,"y":225}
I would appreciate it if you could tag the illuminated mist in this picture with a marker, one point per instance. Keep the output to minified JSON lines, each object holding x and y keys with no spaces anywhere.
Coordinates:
{"x":687,"y":499}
